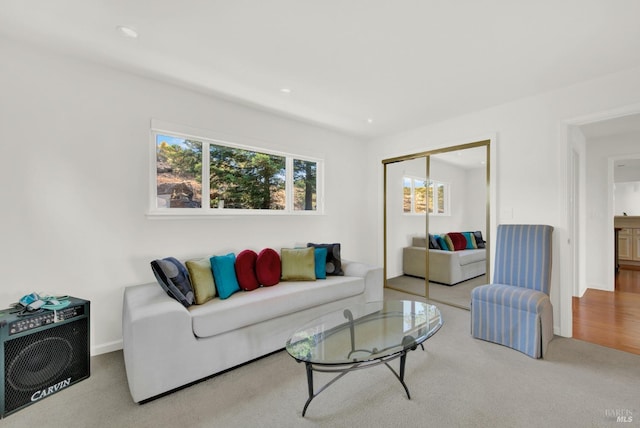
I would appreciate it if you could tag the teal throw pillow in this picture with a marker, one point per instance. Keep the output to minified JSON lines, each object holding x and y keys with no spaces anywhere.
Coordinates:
{"x":320,"y":255}
{"x":471,"y":240}
{"x":224,"y":274}
{"x":443,"y":244}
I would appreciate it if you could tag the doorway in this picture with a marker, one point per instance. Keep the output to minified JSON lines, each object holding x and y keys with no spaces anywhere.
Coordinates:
{"x":603,"y":144}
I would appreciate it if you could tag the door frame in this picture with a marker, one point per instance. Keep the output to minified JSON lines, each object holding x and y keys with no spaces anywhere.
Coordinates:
{"x":568,"y":245}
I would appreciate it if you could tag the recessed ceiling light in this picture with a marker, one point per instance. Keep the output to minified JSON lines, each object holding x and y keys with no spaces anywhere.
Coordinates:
{"x":285,"y":90}
{"x":369,"y":120}
{"x":128,"y":32}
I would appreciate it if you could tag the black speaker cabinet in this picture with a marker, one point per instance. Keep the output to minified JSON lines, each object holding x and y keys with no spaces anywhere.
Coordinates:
{"x":42,"y":353}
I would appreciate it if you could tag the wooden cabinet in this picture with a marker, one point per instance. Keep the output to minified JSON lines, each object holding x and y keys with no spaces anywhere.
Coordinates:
{"x":627,"y":231}
{"x":625,"y":249}
{"x":635,"y":243}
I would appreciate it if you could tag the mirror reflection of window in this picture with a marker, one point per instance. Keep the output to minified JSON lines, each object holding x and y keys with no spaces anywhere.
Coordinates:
{"x":414,"y":193}
{"x":438,"y":198}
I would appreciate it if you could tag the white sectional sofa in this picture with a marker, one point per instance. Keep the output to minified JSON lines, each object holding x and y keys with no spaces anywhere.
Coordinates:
{"x":167,"y":346}
{"x":445,"y":267}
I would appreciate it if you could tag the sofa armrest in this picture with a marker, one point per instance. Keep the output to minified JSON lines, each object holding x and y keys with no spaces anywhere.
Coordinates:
{"x":152,"y":325}
{"x":373,"y":282}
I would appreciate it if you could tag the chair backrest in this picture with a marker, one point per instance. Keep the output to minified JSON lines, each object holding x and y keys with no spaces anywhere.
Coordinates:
{"x":523,"y":256}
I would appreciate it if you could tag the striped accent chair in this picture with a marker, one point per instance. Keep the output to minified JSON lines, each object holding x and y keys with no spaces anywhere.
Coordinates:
{"x":515,"y":310}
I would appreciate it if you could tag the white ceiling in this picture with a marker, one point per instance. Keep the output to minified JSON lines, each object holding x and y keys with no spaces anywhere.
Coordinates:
{"x":402,"y":63}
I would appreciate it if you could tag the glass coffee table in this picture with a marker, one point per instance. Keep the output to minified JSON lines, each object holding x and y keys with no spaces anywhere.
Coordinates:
{"x":363,"y":336}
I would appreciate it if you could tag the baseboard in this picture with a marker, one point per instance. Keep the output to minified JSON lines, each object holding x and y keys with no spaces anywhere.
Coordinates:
{"x":629,"y":266}
{"x":106,"y":347}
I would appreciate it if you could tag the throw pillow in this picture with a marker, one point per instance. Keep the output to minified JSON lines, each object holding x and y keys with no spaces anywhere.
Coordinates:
{"x":298,"y":264}
{"x":204,"y":287}
{"x":246,"y":270}
{"x":334,"y":264}
{"x":442,"y":243}
{"x":433,"y":242}
{"x":449,"y":242}
{"x":320,"y":262}
{"x":479,"y":241}
{"x":224,"y":274}
{"x":471,"y":240}
{"x":174,"y":279}
{"x":268,"y":267}
{"x":458,"y":240}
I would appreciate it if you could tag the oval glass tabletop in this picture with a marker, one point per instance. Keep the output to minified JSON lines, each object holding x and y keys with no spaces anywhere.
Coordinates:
{"x":365,"y":332}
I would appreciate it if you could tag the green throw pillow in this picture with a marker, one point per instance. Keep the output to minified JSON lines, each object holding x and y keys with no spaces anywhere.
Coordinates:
{"x":204,"y":287}
{"x":298,"y":264}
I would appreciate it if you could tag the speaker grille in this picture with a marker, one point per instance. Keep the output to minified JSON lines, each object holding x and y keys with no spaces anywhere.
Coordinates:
{"x":44,"y":362}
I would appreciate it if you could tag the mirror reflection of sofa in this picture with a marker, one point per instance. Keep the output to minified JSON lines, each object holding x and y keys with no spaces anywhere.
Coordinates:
{"x":446,"y":266}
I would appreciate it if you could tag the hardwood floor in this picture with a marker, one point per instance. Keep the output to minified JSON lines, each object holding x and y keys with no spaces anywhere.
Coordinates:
{"x":628,"y":279}
{"x":611,"y":319}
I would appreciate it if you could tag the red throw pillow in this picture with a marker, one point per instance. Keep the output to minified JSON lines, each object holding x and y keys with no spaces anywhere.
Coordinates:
{"x":459,"y":241}
{"x":246,"y":270}
{"x":268,"y":267}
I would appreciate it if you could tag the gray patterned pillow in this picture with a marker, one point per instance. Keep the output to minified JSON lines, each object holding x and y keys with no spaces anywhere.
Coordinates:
{"x":334,"y":264}
{"x":479,"y":241}
{"x":173,"y":277}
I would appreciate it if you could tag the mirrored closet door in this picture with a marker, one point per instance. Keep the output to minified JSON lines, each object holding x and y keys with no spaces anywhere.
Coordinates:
{"x":436,"y":221}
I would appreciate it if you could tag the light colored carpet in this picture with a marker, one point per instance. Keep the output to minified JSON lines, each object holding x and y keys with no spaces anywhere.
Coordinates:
{"x":456,"y":295}
{"x":457,"y":382}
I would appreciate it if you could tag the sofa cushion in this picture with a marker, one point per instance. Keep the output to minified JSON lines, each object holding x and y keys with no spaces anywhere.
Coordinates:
{"x":174,"y":279}
{"x":246,"y":270}
{"x":268,"y":268}
{"x":244,"y":309}
{"x":204,"y":287}
{"x":334,"y":263}
{"x":471,"y":240}
{"x":444,"y":245}
{"x":320,"y":255}
{"x":298,"y":264}
{"x":471,"y":256}
{"x":433,"y":243}
{"x":419,"y":241}
{"x":224,"y":274}
{"x":458,"y":240}
{"x":479,"y":241}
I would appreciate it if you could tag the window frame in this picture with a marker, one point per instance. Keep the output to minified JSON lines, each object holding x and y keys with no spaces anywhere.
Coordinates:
{"x":429,"y":183}
{"x":208,"y":138}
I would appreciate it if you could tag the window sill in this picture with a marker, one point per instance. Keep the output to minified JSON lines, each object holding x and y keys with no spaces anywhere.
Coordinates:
{"x":190,"y":213}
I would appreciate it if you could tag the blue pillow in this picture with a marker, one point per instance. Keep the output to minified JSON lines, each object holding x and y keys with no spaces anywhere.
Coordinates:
{"x":224,"y":274}
{"x":471,"y":240}
{"x":442,"y":243}
{"x":320,"y":255}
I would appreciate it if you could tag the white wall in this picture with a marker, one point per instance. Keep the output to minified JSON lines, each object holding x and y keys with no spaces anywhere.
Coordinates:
{"x":601,"y":152}
{"x":74,"y":150}
{"x":474,"y":215}
{"x":456,"y":178}
{"x":627,"y":198}
{"x":530,"y":163}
